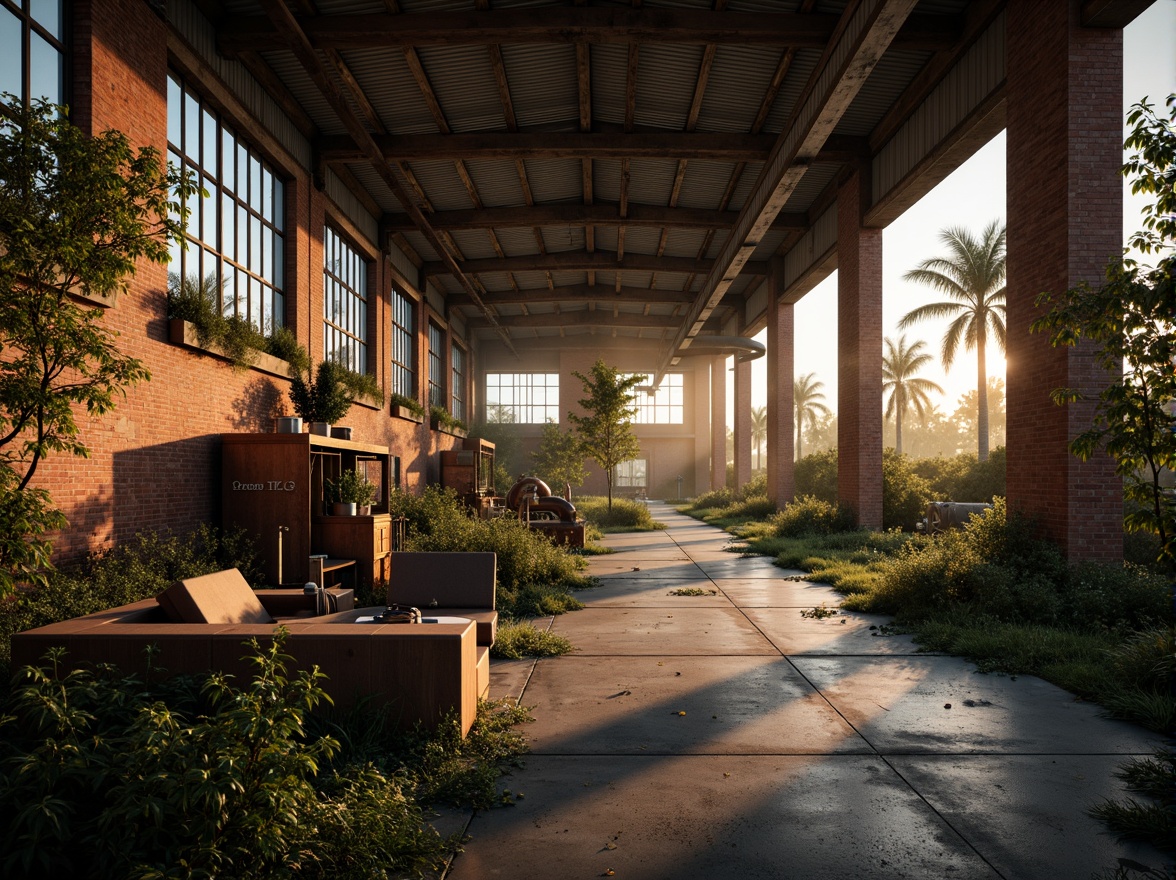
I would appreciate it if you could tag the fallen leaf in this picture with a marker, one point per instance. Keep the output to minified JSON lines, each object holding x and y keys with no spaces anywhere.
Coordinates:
{"x":610,"y":846}
{"x":681,"y":713}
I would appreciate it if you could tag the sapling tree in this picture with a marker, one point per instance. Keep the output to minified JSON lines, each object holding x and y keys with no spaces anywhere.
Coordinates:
{"x":1130,"y":319}
{"x":76,"y":213}
{"x":606,"y":428}
{"x":560,"y":457}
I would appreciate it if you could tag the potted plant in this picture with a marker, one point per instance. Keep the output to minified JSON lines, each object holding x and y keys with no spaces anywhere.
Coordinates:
{"x":350,"y":494}
{"x":323,"y":400}
{"x":440,"y":419}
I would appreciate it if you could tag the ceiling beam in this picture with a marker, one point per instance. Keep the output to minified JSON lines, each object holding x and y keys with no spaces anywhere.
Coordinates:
{"x":576,"y":24}
{"x":866,"y":31}
{"x":713,"y":146}
{"x":580,"y":261}
{"x":1112,"y":13}
{"x":576,"y":293}
{"x":295,"y":39}
{"x":596,"y":214}
{"x":582,"y":318}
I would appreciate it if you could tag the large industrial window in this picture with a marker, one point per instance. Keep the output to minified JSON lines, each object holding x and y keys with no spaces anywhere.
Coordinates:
{"x":344,"y":303}
{"x":664,"y":406}
{"x":32,"y":49}
{"x":436,"y":361}
{"x":523,"y":398}
{"x":630,"y":474}
{"x":236,"y":251}
{"x":457,"y":394}
{"x":403,"y":345}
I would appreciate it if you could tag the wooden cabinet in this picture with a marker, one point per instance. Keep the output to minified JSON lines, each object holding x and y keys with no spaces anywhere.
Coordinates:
{"x":272,"y":485}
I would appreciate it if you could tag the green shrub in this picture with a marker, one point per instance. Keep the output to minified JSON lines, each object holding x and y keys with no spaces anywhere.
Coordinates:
{"x":283,"y":344}
{"x":105,"y":776}
{"x":535,"y":576}
{"x":963,"y":477}
{"x":816,"y":475}
{"x":139,"y":569}
{"x":904,"y":493}
{"x":812,"y":516}
{"x":714,"y":498}
{"x":756,"y":487}
{"x":626,"y":515}
{"x":517,"y":639}
{"x":197,"y":301}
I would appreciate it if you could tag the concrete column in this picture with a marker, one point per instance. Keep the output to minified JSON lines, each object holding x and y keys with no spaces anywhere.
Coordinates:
{"x":742,"y":422}
{"x":781,"y":408}
{"x":718,"y":423}
{"x":859,"y":355}
{"x":1065,"y":133}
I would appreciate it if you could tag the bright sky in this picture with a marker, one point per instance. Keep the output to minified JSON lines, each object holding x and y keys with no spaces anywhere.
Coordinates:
{"x":971,"y":197}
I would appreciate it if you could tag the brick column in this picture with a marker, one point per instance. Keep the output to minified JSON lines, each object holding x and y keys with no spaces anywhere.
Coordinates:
{"x":1065,"y":133}
{"x":742,"y":422}
{"x":718,"y":425}
{"x":781,"y":408}
{"x":859,"y":355}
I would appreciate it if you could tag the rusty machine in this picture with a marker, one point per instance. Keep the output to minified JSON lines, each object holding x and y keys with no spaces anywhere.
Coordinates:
{"x":532,"y":500}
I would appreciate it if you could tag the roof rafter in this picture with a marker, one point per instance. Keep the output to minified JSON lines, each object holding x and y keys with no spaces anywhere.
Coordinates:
{"x":583,"y":318}
{"x":295,"y":39}
{"x":574,"y":24}
{"x":581,"y":261}
{"x":597,"y":214}
{"x":866,"y":30}
{"x":577,"y":293}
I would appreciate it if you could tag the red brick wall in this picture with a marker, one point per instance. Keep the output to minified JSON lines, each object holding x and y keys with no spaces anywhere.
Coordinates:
{"x":718,"y":426}
{"x":859,"y":353}
{"x":741,"y":413}
{"x":154,"y":461}
{"x":1064,"y":223}
{"x":781,"y":405}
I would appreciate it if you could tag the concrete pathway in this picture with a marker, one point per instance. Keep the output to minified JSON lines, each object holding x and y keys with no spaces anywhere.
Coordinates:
{"x":723,"y":735}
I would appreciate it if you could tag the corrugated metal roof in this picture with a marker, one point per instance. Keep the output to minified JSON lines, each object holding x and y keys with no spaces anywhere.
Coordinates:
{"x":391,"y":89}
{"x":463,"y":81}
{"x":544,"y":88}
{"x":738,"y":82}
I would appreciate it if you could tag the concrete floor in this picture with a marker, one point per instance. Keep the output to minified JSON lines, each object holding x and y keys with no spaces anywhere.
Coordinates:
{"x":725,"y":736}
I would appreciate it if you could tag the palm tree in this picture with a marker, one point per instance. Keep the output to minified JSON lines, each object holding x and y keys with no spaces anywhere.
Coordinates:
{"x":907,"y":391}
{"x":808,"y":398}
{"x":759,"y":432}
{"x":973,"y":276}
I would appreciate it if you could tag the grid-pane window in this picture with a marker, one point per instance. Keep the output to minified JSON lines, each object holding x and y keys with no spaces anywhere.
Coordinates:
{"x":403,"y":345}
{"x":436,"y":366}
{"x":630,"y":474}
{"x":344,"y":303}
{"x":662,"y":407}
{"x":32,"y":49}
{"x":236,"y":250}
{"x":523,"y":398}
{"x":458,"y":383}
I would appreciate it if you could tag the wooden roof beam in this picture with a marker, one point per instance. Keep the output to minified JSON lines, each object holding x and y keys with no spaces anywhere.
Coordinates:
{"x":596,"y":214}
{"x":576,"y":293}
{"x":581,"y":261}
{"x":583,"y":318}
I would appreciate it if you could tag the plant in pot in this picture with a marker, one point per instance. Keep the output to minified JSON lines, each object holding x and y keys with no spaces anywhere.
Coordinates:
{"x":323,"y":400}
{"x":408,"y":407}
{"x":350,"y":494}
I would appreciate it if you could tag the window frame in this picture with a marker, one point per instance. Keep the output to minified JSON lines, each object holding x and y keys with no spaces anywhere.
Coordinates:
{"x":22,"y":11}
{"x":457,"y":393}
{"x":627,"y":479}
{"x":257,"y":200}
{"x":648,"y":413}
{"x":436,"y":365}
{"x":354,"y":300}
{"x":525,"y":411}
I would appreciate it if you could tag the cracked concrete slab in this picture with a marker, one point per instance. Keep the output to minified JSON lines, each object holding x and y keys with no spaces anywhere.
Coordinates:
{"x":645,"y":631}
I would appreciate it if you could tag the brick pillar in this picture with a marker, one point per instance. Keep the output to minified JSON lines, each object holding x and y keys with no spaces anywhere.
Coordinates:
{"x":718,"y":426}
{"x":781,"y":409}
{"x":742,"y":422}
{"x":859,"y":355}
{"x":1065,"y":133}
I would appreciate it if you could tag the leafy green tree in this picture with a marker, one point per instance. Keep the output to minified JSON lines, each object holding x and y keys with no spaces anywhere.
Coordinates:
{"x":906,"y":390}
{"x":972,"y":275}
{"x":76,"y":213}
{"x":759,"y":432}
{"x":808,"y":399}
{"x":560,"y":458}
{"x":1129,"y":320}
{"x":606,"y":428}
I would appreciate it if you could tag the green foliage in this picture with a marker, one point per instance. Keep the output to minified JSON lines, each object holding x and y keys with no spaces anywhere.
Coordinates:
{"x":329,"y":395}
{"x":105,"y":776}
{"x":906,"y":390}
{"x":559,"y":459}
{"x":625,"y":515}
{"x":1127,"y":325}
{"x":712,"y":499}
{"x":963,"y":477}
{"x":442,"y":418}
{"x":283,"y":344}
{"x":606,"y":428}
{"x":76,"y":213}
{"x":809,"y":402}
{"x":138,"y":569}
{"x":904,"y":493}
{"x":350,"y":488}
{"x":518,"y":639}
{"x":816,"y":475}
{"x":197,"y":301}
{"x":411,"y":404}
{"x":812,"y":516}
{"x":535,"y":577}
